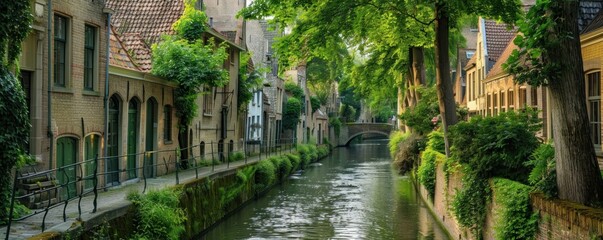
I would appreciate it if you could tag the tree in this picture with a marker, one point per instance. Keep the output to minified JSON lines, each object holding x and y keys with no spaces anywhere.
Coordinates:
{"x":550,"y":55}
{"x":16,"y":20}
{"x":248,"y":82}
{"x":188,"y":61}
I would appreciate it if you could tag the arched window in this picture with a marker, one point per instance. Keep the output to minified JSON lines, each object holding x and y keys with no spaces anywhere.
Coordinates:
{"x":202,"y":150}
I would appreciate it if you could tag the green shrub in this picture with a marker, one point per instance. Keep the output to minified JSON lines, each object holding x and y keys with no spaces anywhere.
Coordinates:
{"x":304,"y":154}
{"x":295,"y":161}
{"x":313,"y":152}
{"x":159,"y":214}
{"x":323,"y":151}
{"x":426,"y":173}
{"x":496,"y":146}
{"x":419,"y":117}
{"x":291,"y":113}
{"x":395,"y":138}
{"x":469,"y":202}
{"x":294,"y":89}
{"x":265,"y":174}
{"x":336,"y":124}
{"x":517,"y":221}
{"x":236,"y":156}
{"x":326,"y":142}
{"x":230,"y":193}
{"x":436,"y":141}
{"x":282,"y":164}
{"x":408,"y":153}
{"x":543,"y":176}
{"x":489,"y":147}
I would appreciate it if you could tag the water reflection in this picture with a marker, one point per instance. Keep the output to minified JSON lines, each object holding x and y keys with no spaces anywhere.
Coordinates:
{"x":353,"y":194}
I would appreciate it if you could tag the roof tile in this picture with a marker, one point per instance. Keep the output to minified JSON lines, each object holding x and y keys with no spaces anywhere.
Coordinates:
{"x":497,"y":38}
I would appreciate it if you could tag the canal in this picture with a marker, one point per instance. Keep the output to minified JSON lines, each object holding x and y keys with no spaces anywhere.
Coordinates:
{"x":352,"y":194}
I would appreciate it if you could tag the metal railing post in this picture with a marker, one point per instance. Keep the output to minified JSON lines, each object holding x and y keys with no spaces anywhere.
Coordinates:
{"x":95,"y":190}
{"x":144,"y":171}
{"x":12,"y":205}
{"x":212,"y":157}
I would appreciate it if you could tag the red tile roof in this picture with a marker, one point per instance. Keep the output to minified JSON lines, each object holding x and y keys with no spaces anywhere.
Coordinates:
{"x":497,"y":38}
{"x":497,"y":68}
{"x":139,"y":51}
{"x":149,"y":18}
{"x":118,"y":56}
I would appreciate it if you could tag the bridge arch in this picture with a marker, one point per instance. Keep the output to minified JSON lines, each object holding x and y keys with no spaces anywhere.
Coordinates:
{"x":347,"y":142}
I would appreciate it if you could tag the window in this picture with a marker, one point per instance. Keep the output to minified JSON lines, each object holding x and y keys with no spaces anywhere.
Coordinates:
{"x":522,"y":97}
{"x":534,"y":97}
{"x":89,"y":57}
{"x":495,"y":103}
{"x":489,"y":104}
{"x":502,"y":101}
{"x":167,"y":123}
{"x":511,"y":99}
{"x":594,"y":105}
{"x":202,"y":150}
{"x":60,"y":51}
{"x":208,"y":101}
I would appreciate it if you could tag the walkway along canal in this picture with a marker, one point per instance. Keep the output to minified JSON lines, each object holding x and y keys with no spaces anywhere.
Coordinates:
{"x":351,"y":194}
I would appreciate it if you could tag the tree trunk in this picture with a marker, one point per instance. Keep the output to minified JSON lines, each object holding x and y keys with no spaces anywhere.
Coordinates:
{"x":418,"y":70}
{"x":184,"y":144}
{"x":443,"y":81}
{"x":578,"y":176}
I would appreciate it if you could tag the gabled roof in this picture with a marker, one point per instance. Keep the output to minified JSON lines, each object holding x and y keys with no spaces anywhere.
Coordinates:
{"x":118,"y":56}
{"x":471,"y":62}
{"x":588,"y":11}
{"x":149,"y":18}
{"x":497,"y":37}
{"x":497,"y":68}
{"x":595,"y":24}
{"x":138,"y":50}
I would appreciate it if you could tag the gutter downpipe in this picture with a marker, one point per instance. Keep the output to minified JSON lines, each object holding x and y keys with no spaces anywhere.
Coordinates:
{"x":49,"y":41}
{"x":106,"y":99}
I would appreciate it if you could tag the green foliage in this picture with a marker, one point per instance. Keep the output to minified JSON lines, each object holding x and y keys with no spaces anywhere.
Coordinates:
{"x":229,"y":194}
{"x":159,"y":214}
{"x":304,"y":155}
{"x":16,"y":19}
{"x":14,"y":134}
{"x":265,"y":175}
{"x":282,"y":166}
{"x":336,"y":124}
{"x":291,"y":113}
{"x":408,"y":153}
{"x":295,"y":90}
{"x":517,"y":220}
{"x":419,"y":117}
{"x":191,"y":24}
{"x":469,"y":203}
{"x":436,"y":141}
{"x":315,"y":103}
{"x":543,"y":176}
{"x":248,"y":81}
{"x":426,"y":173}
{"x":496,"y":146}
{"x":395,"y":138}
{"x":295,"y":161}
{"x":236,"y":156}
{"x":348,"y":113}
{"x":531,"y":63}
{"x":191,"y":65}
{"x":490,"y":147}
{"x":186,"y":60}
{"x":323,"y":151}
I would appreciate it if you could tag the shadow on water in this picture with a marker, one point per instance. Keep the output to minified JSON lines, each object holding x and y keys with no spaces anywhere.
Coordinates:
{"x":352,"y":194}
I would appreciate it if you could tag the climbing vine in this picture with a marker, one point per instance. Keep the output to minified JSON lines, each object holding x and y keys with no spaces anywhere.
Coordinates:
{"x":16,"y":20}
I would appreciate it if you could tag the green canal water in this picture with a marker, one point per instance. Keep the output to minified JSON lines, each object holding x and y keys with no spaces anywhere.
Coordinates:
{"x":352,"y":194}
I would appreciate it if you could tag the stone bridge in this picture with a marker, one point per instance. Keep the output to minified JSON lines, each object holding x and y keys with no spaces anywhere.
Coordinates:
{"x":349,"y":131}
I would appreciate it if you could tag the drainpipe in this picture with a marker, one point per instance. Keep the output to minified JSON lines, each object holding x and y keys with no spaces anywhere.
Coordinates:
{"x":106,"y":99}
{"x":49,"y":41}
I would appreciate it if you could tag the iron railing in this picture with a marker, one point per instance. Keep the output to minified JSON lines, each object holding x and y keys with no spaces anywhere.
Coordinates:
{"x":87,"y":180}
